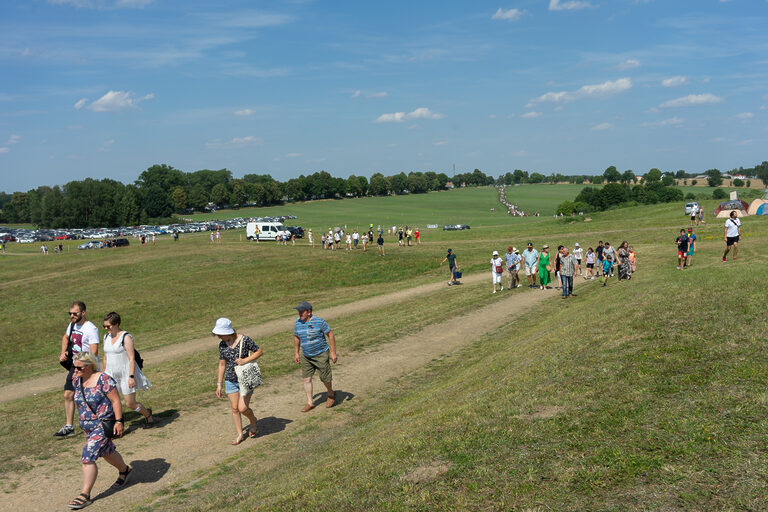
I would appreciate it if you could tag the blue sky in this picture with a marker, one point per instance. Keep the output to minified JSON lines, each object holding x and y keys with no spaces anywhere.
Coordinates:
{"x":107,"y":88}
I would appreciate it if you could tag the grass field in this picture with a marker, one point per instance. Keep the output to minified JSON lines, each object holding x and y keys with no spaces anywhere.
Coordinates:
{"x":647,"y":395}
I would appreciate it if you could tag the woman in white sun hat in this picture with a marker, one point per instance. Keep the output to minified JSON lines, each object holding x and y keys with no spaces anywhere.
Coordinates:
{"x":231,"y":355}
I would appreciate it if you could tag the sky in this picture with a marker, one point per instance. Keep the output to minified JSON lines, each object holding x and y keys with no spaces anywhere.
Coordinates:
{"x":108,"y":88}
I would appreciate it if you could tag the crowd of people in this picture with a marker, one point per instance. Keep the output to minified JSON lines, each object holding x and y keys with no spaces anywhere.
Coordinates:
{"x":93,"y":387}
{"x":602,"y":262}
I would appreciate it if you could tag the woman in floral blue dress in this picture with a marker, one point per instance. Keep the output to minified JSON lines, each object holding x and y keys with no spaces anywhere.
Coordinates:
{"x":96,"y":399}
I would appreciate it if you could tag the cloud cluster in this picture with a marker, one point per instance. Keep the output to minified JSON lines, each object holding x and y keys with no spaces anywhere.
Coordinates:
{"x":237,"y":142}
{"x":674,"y":81}
{"x":399,"y":117}
{"x":586,"y":91}
{"x":602,"y":127}
{"x":629,"y":64}
{"x":245,"y":112}
{"x":507,"y":15}
{"x":570,"y":5}
{"x":530,"y":115}
{"x":373,"y":95}
{"x":672,"y":121}
{"x":114,"y":101}
{"x":692,"y":100}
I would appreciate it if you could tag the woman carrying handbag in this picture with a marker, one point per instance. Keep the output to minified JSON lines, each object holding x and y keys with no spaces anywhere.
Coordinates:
{"x":239,"y":373}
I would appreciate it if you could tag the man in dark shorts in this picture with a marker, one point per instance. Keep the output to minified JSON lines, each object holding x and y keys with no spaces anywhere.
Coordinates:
{"x":682,"y":248}
{"x":309,"y":335}
{"x":600,"y":257}
{"x":80,"y":336}
{"x":451,"y":259}
{"x":732,"y":234}
{"x":380,"y":243}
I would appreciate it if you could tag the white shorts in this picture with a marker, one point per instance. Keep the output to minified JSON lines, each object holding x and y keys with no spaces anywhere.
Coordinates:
{"x":530,"y":271}
{"x":496,"y":277}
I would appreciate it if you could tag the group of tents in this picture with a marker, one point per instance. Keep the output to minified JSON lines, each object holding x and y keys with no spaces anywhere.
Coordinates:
{"x":757,"y":207}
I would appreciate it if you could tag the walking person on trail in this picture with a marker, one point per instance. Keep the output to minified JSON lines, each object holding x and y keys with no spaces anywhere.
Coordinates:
{"x":568,"y":268}
{"x":97,"y":400}
{"x":682,"y":249}
{"x":512,"y":259}
{"x":691,"y":247}
{"x":531,"y":262}
{"x":380,"y":243}
{"x":235,"y":350}
{"x":81,"y":336}
{"x":609,"y":251}
{"x":544,"y":267}
{"x":579,"y":253}
{"x":732,"y":235}
{"x":315,"y":349}
{"x":600,"y":257}
{"x":497,"y":270}
{"x":451,"y":259}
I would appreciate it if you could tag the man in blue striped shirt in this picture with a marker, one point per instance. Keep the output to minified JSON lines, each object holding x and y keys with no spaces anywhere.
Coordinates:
{"x":309,"y":334}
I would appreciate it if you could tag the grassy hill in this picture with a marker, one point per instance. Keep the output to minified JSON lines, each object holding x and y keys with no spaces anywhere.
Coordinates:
{"x":645,"y":395}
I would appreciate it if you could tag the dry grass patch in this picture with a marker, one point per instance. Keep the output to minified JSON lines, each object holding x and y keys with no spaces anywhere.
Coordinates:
{"x":427,"y":472}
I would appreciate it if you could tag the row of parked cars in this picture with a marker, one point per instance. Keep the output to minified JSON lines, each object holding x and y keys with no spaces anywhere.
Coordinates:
{"x":28,"y":236}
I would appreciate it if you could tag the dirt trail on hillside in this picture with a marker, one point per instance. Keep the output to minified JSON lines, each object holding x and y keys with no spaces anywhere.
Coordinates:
{"x":170,"y":454}
{"x":54,"y":382}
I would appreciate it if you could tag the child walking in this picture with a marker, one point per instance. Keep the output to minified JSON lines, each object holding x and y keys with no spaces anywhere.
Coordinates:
{"x":607,"y":269}
{"x":590,"y":260}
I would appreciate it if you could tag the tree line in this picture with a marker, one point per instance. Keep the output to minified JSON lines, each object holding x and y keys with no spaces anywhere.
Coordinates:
{"x":162,"y":191}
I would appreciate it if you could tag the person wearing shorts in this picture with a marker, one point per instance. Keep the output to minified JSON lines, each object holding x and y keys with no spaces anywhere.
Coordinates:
{"x":380,"y":243}
{"x":314,"y":353}
{"x":579,"y":253}
{"x":451,"y":259}
{"x":531,"y":264}
{"x":590,"y":273}
{"x":599,"y":257}
{"x":691,"y":247}
{"x":497,"y":270}
{"x":682,"y":242}
{"x":732,"y":234}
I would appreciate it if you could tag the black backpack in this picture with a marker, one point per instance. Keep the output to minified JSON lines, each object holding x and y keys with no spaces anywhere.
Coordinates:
{"x":136,"y":356}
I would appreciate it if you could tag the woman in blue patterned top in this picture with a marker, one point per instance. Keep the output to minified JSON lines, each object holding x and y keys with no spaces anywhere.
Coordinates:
{"x":96,"y":399}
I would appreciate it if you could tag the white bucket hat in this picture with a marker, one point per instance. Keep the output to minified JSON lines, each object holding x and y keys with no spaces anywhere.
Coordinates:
{"x":223,"y":327}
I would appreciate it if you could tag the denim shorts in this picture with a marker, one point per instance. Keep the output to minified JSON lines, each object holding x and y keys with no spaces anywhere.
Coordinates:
{"x":231,"y":387}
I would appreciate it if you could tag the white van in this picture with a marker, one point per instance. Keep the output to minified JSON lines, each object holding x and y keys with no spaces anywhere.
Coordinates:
{"x":266,"y":230}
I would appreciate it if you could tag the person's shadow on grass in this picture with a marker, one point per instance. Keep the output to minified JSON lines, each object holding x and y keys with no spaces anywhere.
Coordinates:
{"x":143,"y":471}
{"x":162,"y":419}
{"x":341,"y":396}
{"x":270,"y":425}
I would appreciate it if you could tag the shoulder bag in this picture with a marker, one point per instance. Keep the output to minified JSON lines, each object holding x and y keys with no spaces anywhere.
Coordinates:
{"x":107,"y":424}
{"x":136,"y":356}
{"x":248,"y":374}
{"x":67,"y":363}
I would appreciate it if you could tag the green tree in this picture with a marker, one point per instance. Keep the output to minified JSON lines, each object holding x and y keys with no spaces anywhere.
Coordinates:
{"x":719,"y":193}
{"x":668,"y":180}
{"x":714,"y":178}
{"x":738,"y":182}
{"x":198,"y":197}
{"x":219,"y":194}
{"x":398,"y":183}
{"x":536,"y":177}
{"x":378,"y":185}
{"x":417,"y":183}
{"x":611,"y":175}
{"x":179,"y":199}
{"x":129,"y":211}
{"x":653,"y":176}
{"x":628,"y":177}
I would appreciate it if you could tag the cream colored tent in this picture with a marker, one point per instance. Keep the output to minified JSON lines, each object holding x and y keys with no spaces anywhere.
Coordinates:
{"x":757,"y":203}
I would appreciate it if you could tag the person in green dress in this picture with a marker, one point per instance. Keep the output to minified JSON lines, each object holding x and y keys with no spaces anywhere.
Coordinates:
{"x":544,"y":279}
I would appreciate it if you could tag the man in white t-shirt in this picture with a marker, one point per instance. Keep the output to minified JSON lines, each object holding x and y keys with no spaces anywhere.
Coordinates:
{"x":81,"y":336}
{"x":732,"y":234}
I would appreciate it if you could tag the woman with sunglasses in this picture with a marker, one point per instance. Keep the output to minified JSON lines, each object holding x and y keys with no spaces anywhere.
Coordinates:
{"x":96,"y":399}
{"x":120,"y":364}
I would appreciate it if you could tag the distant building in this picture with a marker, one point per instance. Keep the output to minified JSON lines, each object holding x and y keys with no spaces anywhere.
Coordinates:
{"x":449,"y":184}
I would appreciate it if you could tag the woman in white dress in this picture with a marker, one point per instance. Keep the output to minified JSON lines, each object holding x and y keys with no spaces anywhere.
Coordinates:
{"x":120,"y":364}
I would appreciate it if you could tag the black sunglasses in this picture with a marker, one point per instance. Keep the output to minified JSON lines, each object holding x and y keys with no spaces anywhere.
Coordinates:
{"x":79,"y":368}
{"x":74,"y":313}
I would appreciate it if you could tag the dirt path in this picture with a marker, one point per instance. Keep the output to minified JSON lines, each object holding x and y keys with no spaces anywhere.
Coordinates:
{"x":54,"y":382}
{"x":170,"y":455}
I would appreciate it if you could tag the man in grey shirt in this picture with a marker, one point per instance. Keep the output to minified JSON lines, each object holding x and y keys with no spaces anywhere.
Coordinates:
{"x":568,"y":266}
{"x":608,"y":251}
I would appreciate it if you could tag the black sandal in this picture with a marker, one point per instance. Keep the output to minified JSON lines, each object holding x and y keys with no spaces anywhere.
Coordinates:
{"x":82,"y":501}
{"x":123,"y":477}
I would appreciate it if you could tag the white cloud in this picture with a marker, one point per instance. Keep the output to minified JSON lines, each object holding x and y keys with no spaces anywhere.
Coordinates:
{"x":245,"y":112}
{"x":3,"y":150}
{"x":13,"y":139}
{"x":530,"y":115}
{"x":440,"y":143}
{"x":586,"y":91}
{"x":508,"y":15}
{"x":115,"y":101}
{"x":745,"y":115}
{"x":629,"y":64}
{"x":237,"y":142}
{"x":672,"y":121}
{"x":601,"y":127}
{"x":674,"y":81}
{"x":107,"y":146}
{"x":26,"y":52}
{"x":81,"y":103}
{"x":293,"y":155}
{"x":399,"y":117}
{"x":382,"y":94}
{"x":570,"y":5}
{"x":692,"y":100}
{"x":356,"y":94}
{"x":744,"y":142}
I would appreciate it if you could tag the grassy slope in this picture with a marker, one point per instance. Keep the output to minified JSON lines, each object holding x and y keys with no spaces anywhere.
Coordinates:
{"x":646,"y":395}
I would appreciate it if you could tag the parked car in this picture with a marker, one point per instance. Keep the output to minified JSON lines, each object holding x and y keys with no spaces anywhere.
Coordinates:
{"x":118,"y":242}
{"x":690,"y":206}
{"x":455,"y":227}
{"x":88,"y":245}
{"x":298,"y":231}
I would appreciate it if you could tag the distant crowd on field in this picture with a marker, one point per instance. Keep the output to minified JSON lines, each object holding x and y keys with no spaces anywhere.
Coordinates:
{"x":512,"y":209}
{"x":603,"y":262}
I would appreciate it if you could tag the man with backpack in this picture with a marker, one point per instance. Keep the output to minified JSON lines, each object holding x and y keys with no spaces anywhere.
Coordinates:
{"x":81,"y":336}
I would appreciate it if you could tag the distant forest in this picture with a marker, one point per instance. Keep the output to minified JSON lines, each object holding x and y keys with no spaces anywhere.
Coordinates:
{"x":162,"y":191}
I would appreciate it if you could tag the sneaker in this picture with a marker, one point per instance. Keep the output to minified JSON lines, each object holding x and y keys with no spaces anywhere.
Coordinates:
{"x":519,"y":285}
{"x":723,"y":259}
{"x":65,"y":431}
{"x":734,"y":258}
{"x":494,"y":291}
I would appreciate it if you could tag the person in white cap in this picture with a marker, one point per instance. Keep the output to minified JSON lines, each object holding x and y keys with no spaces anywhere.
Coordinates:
{"x":579,"y":253}
{"x":497,"y":270}
{"x":229,"y":357}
